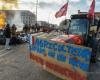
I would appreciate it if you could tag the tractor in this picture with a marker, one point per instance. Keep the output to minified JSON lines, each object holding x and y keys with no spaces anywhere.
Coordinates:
{"x":82,"y":31}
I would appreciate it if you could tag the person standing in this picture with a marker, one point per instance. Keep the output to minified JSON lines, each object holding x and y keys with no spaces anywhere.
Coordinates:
{"x":13,"y":32}
{"x":25,"y":29}
{"x":98,"y":39}
{"x":7,"y":34}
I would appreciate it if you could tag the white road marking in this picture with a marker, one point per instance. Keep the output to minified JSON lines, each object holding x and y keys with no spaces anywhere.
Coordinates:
{"x":7,"y":52}
{"x":2,"y":50}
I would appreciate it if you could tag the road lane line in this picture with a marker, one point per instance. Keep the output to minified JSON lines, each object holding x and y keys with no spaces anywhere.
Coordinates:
{"x":2,"y":50}
{"x":3,"y":54}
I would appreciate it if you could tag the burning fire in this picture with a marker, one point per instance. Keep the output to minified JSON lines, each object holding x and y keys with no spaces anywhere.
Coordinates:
{"x":6,"y":5}
{"x":2,"y":20}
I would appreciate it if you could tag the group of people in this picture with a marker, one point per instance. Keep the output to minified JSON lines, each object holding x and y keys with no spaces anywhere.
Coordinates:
{"x":9,"y":32}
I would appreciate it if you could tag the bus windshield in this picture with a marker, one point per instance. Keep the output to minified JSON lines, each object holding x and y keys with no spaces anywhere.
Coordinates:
{"x":78,"y":26}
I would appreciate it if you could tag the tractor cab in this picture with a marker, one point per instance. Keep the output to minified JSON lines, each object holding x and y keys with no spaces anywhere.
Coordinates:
{"x":80,"y":25}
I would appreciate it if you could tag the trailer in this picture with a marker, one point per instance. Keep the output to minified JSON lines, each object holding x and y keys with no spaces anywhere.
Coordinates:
{"x":67,"y":61}
{"x":65,"y":56}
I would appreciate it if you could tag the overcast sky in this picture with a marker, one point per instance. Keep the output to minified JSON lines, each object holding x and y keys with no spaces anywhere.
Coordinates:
{"x":48,"y":8}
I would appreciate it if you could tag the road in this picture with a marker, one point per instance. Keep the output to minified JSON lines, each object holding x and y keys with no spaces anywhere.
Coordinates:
{"x":16,"y":65}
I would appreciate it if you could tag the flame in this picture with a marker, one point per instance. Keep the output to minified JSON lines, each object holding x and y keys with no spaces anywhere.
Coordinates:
{"x":2,"y":20}
{"x":6,"y":5}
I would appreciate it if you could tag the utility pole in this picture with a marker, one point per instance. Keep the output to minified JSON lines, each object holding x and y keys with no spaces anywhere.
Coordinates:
{"x":36,"y":12}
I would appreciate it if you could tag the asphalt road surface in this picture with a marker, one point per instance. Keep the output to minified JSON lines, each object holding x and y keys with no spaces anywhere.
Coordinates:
{"x":16,"y":65}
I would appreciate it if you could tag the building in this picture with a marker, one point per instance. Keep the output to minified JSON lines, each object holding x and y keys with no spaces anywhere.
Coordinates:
{"x":28,"y":18}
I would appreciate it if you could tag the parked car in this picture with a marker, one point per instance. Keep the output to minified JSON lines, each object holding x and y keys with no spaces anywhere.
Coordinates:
{"x":23,"y":37}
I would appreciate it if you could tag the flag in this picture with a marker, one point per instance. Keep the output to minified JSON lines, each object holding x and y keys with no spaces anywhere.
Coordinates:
{"x":62,"y":11}
{"x":90,"y":14}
